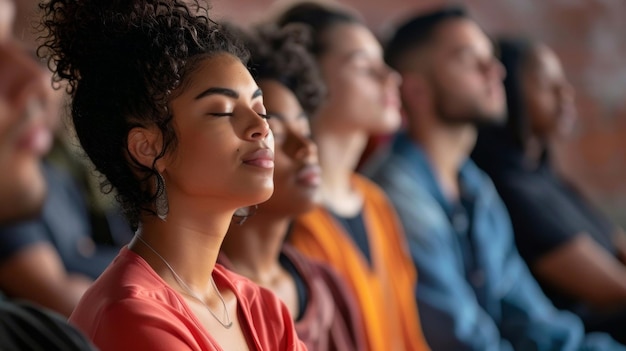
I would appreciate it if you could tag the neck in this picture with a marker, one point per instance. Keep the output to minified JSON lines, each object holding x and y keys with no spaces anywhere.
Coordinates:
{"x":188,"y":240}
{"x":447,"y":148}
{"x":253,"y":248}
{"x":534,"y":148}
{"x":339,"y":155}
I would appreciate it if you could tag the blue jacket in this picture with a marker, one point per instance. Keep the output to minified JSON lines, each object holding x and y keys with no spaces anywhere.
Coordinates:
{"x":474,"y":290}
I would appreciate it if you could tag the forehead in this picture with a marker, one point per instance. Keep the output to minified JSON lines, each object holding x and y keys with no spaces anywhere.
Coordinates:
{"x":278,"y":99}
{"x":460,"y":34}
{"x":348,"y":38}
{"x":220,"y":70}
{"x":544,"y":60}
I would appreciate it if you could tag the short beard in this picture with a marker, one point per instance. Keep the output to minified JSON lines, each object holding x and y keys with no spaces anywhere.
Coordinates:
{"x":473,"y":118}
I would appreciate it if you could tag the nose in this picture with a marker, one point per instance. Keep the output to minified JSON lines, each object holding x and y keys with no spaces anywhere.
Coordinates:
{"x":390,"y":77}
{"x":257,"y":127}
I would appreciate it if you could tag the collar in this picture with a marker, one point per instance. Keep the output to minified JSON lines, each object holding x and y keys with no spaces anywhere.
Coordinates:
{"x":470,"y":177}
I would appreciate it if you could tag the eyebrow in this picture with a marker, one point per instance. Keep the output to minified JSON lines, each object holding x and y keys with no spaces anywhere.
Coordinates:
{"x":226,"y":92}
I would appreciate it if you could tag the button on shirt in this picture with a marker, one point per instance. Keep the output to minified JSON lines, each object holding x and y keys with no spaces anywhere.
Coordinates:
{"x":474,"y":291}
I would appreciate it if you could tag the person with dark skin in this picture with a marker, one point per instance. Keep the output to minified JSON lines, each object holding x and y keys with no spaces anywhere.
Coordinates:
{"x":576,"y":253}
{"x":27,"y":119}
{"x":474,"y":290}
{"x":356,"y":229}
{"x":325,"y":315}
{"x":165,"y":108}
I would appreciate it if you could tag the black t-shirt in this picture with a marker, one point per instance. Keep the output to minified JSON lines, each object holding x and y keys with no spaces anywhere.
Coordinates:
{"x":355,"y":226}
{"x":546,"y":212}
{"x":301,"y":289}
{"x":24,"y":327}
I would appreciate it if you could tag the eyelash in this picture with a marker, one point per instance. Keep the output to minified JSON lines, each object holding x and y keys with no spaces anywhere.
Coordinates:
{"x":221,"y":114}
{"x":230,"y":114}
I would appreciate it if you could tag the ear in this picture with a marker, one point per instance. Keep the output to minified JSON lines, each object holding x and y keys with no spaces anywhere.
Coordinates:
{"x":144,"y":144}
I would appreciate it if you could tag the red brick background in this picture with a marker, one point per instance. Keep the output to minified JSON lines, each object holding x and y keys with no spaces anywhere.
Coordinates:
{"x":589,"y":36}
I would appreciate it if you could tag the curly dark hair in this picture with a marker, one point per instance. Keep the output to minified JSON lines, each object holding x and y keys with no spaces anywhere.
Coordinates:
{"x":124,"y":61}
{"x":281,"y":54}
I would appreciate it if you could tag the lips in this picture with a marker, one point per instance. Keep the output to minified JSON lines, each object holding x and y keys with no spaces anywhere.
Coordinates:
{"x":309,"y":175}
{"x":262,"y":158}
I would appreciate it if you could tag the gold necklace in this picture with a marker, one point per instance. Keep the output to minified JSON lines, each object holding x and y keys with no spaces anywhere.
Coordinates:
{"x":181,"y":282}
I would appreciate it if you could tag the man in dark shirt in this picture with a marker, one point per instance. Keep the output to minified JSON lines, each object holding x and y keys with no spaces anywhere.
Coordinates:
{"x":26,"y":120}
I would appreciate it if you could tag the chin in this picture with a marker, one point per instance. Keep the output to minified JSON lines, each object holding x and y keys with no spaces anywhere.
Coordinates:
{"x":388,"y":124}
{"x":264,"y":194}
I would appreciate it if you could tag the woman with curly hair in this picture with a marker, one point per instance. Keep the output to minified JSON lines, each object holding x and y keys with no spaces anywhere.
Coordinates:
{"x":166,"y":110}
{"x":325,"y":314}
{"x":356,"y":230}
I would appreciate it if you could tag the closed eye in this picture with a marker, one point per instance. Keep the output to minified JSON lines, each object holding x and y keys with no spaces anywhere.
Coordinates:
{"x":221,"y":114}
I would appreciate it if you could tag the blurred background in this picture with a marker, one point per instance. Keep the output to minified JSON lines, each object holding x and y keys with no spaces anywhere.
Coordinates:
{"x":588,"y":35}
{"x":590,"y":38}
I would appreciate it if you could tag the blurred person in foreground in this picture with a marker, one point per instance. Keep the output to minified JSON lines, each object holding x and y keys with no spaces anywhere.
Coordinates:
{"x":27,"y":118}
{"x":52,"y":258}
{"x":575,"y":252}
{"x":474,"y":290}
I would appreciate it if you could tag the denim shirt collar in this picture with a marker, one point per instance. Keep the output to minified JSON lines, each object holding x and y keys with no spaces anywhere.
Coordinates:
{"x":470,"y":177}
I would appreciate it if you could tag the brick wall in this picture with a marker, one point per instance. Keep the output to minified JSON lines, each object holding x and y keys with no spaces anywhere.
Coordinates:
{"x":590,"y":38}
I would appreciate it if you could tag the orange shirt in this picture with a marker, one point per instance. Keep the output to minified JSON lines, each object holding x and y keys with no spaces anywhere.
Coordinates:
{"x":131,"y":308}
{"x":384,"y":291}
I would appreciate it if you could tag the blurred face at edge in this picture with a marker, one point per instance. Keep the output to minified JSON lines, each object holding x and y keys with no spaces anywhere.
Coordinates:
{"x":26,"y":122}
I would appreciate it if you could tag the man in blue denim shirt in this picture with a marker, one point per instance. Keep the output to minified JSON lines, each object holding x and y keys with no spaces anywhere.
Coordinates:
{"x":474,"y":292}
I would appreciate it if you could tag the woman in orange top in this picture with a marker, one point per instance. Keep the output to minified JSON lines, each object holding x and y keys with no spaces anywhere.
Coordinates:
{"x":165,"y":108}
{"x":356,"y":231}
{"x":325,"y":314}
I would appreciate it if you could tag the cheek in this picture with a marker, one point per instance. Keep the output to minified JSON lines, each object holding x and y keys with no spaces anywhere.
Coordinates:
{"x":540,"y":107}
{"x":198,"y":155}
